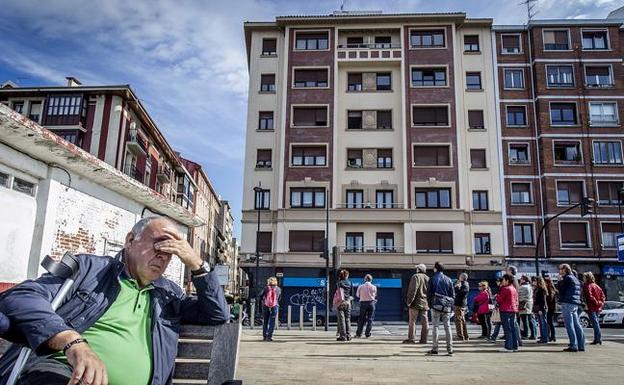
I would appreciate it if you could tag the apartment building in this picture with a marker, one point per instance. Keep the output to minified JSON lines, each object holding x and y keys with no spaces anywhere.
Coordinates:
{"x":378,"y":132}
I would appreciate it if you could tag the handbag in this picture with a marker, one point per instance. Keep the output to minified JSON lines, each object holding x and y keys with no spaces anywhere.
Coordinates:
{"x":339,"y":298}
{"x":496,"y":316}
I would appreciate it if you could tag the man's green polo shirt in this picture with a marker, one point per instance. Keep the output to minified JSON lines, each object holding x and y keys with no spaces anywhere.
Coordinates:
{"x":122,"y":336}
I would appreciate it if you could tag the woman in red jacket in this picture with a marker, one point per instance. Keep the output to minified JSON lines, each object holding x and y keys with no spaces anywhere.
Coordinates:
{"x":507,"y":301}
{"x":594,"y":299}
{"x":482,"y":308}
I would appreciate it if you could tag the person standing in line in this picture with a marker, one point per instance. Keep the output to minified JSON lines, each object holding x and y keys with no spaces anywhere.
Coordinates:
{"x":540,"y":308}
{"x":525,"y":295}
{"x":417,"y":305}
{"x":570,"y":299}
{"x":551,"y":302}
{"x":441,"y":299}
{"x":513,"y":271}
{"x":344,"y":309}
{"x":461,"y":303}
{"x":482,"y":307}
{"x":507,"y":300}
{"x":367,"y":293}
{"x":595,"y":300}
{"x":270,"y":308}
{"x":497,"y":325}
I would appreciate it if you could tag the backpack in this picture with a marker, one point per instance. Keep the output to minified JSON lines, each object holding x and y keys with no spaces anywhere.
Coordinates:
{"x":270,"y":297}
{"x":339,"y":298}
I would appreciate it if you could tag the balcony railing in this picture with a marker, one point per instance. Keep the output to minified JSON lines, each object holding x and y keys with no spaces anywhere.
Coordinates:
{"x":371,"y":249}
{"x":369,"y":205}
{"x":370,"y":51}
{"x":164,"y":173}
{"x":132,"y":171}
{"x":136,"y":142}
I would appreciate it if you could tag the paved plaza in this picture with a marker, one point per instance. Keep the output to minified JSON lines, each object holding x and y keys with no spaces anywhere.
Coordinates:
{"x":315,"y":357}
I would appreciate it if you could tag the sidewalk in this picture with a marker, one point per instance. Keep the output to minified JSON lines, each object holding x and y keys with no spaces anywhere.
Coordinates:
{"x":308,"y":357}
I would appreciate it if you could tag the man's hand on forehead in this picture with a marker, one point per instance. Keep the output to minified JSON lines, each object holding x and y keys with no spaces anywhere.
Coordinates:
{"x":172,"y":233}
{"x":176,"y":244}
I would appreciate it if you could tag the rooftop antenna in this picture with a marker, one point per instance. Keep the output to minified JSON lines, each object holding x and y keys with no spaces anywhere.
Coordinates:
{"x":342,"y":5}
{"x":530,"y":6}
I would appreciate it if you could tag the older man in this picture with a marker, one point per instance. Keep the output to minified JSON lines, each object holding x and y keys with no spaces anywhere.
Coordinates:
{"x":120,"y":323}
{"x":416,"y":302}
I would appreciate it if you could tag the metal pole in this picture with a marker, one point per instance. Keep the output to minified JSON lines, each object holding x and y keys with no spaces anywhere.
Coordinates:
{"x":314,"y":318}
{"x":326,"y":261}
{"x":252,"y":314}
{"x":289,"y":319}
{"x":300,"y":317}
{"x":620,"y":211}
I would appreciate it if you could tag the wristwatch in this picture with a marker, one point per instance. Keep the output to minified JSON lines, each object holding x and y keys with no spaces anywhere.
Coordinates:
{"x":204,"y":269}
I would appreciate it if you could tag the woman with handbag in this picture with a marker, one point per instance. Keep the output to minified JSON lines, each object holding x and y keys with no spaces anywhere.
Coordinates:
{"x":540,"y":309}
{"x":482,"y":303}
{"x":525,"y":294}
{"x":551,"y":302}
{"x":507,"y":300}
{"x":595,"y":300}
{"x":342,"y":304}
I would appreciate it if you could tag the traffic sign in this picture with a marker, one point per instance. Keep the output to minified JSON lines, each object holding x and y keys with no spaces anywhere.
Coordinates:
{"x":620,"y":247}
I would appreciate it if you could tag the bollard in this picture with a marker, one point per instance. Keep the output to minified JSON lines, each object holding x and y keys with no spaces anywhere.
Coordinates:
{"x":300,"y":317}
{"x":314,"y":318}
{"x":277,"y":322}
{"x":289,"y":317}
{"x":252,"y":315}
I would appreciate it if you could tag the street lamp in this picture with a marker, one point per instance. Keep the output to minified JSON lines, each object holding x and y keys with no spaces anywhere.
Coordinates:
{"x":258,"y":202}
{"x":326,"y":252}
{"x":619,"y":199}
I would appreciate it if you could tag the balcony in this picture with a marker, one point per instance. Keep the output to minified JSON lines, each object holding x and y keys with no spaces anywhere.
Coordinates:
{"x":369,"y":52}
{"x":369,"y":205}
{"x":164,"y":174}
{"x":136,"y":143}
{"x":371,"y":249}
{"x":132,"y":171}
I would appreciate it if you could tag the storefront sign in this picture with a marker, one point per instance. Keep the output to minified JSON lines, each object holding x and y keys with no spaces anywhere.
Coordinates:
{"x":613,"y":270}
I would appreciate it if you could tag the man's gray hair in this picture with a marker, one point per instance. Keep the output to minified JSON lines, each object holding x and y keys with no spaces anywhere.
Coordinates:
{"x":463,"y":276}
{"x":512,"y":270}
{"x":421,"y":268}
{"x":140,"y":226}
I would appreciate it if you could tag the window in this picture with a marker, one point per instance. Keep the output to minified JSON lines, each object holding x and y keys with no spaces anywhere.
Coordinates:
{"x":433,"y":198}
{"x":354,"y":242}
{"x":473,"y":80}
{"x":267,"y":83}
{"x":309,"y":78}
{"x":309,"y":116}
{"x":427,"y":39}
{"x":385,"y":242}
{"x":355,"y":199}
{"x":269,"y":47}
{"x":480,"y":201}
{"x":598,"y":76}
{"x":384,"y":81}
{"x":262,"y":200}
{"x":35,"y":111}
{"x":608,"y":152}
{"x":383,"y":41}
{"x":436,"y":242}
{"x":518,"y":153}
{"x":432,"y":156}
{"x":18,"y":107}
{"x":430,"y":116}
{"x":354,"y":158}
{"x":567,"y":152}
{"x":559,"y":76}
{"x":384,"y":158}
{"x":569,"y":192}
{"x":265,"y":120}
{"x":23,"y":186}
{"x":428,"y":77}
{"x":595,"y":40}
{"x":263,"y":158}
{"x":563,"y":114}
{"x":610,"y":231}
{"x":354,"y":82}
{"x":471,"y":43}
{"x":516,"y":116}
{"x":556,"y":40}
{"x":523,"y":234}
{"x":521,"y":193}
{"x":477,"y":158}
{"x":308,"y":156}
{"x":307,"y":198}
{"x":374,"y":119}
{"x":73,"y":136}
{"x":306,"y":241}
{"x":482,"y":243}
{"x":609,"y":192}
{"x":604,"y":113}
{"x":4,"y":180}
{"x":574,"y":235}
{"x":309,"y":41}
{"x":354,"y":120}
{"x":355,"y":42}
{"x":385,"y":199}
{"x":514,"y":78}
{"x":264,"y":240}
{"x":475,"y":119}
{"x":384,"y":119}
{"x":65,"y":105}
{"x":510,"y":44}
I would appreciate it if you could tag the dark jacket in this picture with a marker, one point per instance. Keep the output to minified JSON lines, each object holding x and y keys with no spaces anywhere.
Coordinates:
{"x":569,"y":290}
{"x":417,"y":292}
{"x":347,"y":288}
{"x":551,"y":299}
{"x":539,"y":301}
{"x":33,"y":322}
{"x":442,"y":285}
{"x":278,"y":292}
{"x":461,"y":293}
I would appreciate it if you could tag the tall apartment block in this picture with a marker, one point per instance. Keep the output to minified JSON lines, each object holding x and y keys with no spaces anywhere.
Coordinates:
{"x":383,"y":129}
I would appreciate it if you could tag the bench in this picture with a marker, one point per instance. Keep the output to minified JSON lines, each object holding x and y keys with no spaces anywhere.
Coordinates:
{"x":207,"y":355}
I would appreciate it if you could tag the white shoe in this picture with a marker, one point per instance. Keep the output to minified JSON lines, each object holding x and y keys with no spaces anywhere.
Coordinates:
{"x":503,"y":350}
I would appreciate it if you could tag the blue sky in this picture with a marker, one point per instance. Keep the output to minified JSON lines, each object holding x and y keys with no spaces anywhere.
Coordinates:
{"x":186,"y":59}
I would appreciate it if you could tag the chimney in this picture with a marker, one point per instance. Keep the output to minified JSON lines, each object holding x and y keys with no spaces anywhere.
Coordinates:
{"x":73,"y":82}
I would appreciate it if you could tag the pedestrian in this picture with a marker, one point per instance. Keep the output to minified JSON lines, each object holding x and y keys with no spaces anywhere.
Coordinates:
{"x":367,"y":293}
{"x":551,"y":300}
{"x":343,"y":288}
{"x":497,"y":324}
{"x":540,"y":308}
{"x":461,"y":303}
{"x":525,"y":296}
{"x":595,"y":299}
{"x":417,"y":305}
{"x":482,"y":307}
{"x":513,"y":271}
{"x":270,"y":308}
{"x":507,"y":300}
{"x":441,"y":299}
{"x":570,"y":299}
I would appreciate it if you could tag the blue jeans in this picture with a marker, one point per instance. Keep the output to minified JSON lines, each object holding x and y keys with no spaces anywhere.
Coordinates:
{"x":593,"y":317}
{"x":367,"y":315}
{"x":497,"y":328}
{"x":508,"y":320}
{"x":543,"y":325}
{"x":268,"y":316}
{"x":573,"y":326}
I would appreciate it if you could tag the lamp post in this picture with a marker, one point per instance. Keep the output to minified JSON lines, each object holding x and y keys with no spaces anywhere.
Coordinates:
{"x":326,"y":252}
{"x":620,"y":192}
{"x":258,"y":201}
